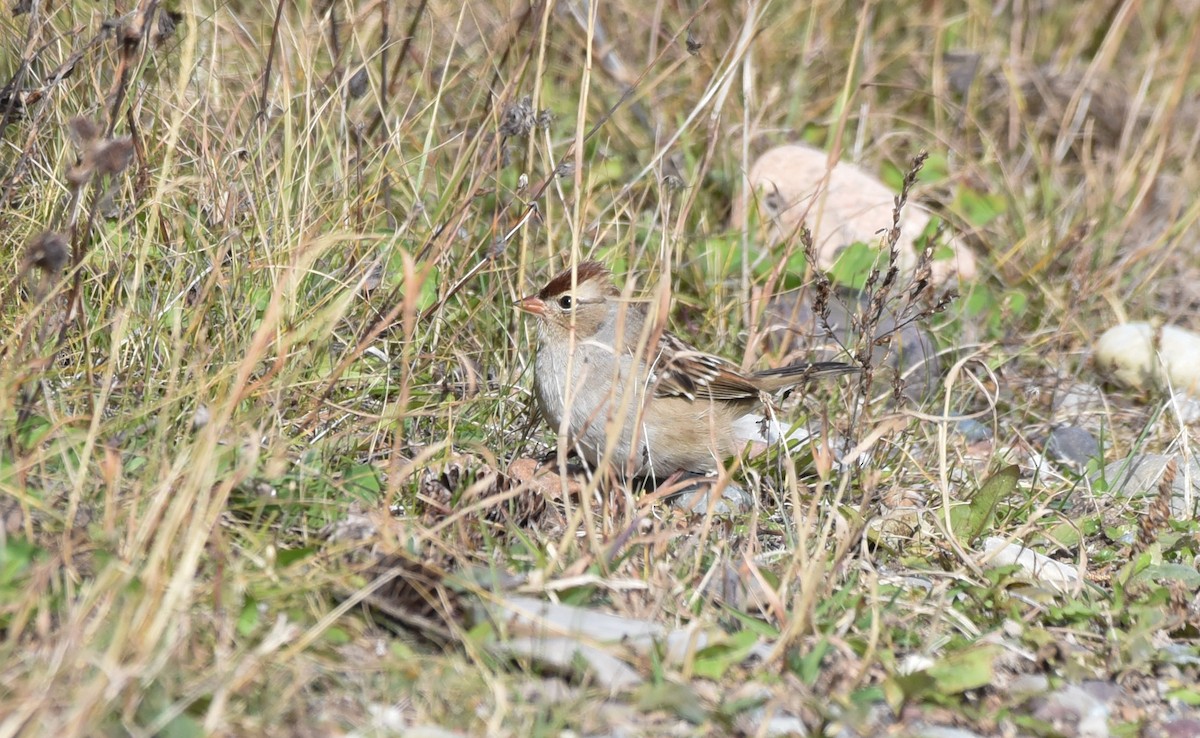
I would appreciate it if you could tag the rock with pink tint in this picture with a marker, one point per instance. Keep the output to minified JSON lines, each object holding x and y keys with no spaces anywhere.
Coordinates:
{"x":791,"y":186}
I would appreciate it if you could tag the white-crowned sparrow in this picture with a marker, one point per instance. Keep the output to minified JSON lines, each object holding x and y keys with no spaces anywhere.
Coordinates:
{"x":623,"y":391}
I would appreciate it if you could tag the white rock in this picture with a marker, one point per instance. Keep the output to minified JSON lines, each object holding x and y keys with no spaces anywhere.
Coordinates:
{"x":790,"y":186}
{"x":1133,"y":355}
{"x":1186,"y":408}
{"x":1041,"y":568}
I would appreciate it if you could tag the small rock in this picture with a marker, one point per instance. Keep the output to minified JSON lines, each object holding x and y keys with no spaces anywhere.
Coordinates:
{"x":973,"y":431}
{"x":1137,"y":476}
{"x":1073,"y":446}
{"x":1072,"y":711}
{"x":432,"y":731}
{"x":1186,"y":727}
{"x":1106,"y":692}
{"x":939,"y":731}
{"x":1137,"y":355}
{"x":841,"y":204}
{"x":1178,"y":654}
{"x":1078,"y":399}
{"x":695,"y":498}
{"x":770,"y":718}
{"x":355,"y":527}
{"x":1029,"y":685}
{"x":1038,"y":567}
{"x":1186,"y":408}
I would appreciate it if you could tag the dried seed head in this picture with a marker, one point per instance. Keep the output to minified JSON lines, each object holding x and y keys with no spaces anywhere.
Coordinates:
{"x":84,"y":132}
{"x":1158,"y":517}
{"x":131,"y":29}
{"x":164,"y":28}
{"x":47,"y":251}
{"x":112,"y":156}
{"x":357,"y":86}
{"x":519,"y":119}
{"x":79,"y":174}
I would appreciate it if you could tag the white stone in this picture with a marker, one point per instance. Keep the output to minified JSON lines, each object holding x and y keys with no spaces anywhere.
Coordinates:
{"x":1136,"y":355}
{"x":1041,"y":568}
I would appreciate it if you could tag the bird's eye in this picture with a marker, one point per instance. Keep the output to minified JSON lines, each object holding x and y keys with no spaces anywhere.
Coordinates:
{"x":564,"y":302}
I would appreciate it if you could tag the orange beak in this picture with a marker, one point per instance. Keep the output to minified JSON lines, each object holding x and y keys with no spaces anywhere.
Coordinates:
{"x":532,"y":305}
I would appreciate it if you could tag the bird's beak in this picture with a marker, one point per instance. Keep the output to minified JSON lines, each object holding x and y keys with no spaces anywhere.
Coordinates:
{"x":532,"y":305}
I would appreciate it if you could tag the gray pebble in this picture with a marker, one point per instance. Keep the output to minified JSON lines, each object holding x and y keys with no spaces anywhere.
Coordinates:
{"x":974,"y":431}
{"x":1074,"y":446}
{"x":1078,"y":399}
{"x":694,"y":499}
{"x":939,"y":731}
{"x":1137,"y":476}
{"x":1073,"y":711}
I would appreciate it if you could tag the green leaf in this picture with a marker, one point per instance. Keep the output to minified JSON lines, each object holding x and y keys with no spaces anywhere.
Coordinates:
{"x":1188,"y":696}
{"x":248,"y":618}
{"x":793,"y":273}
{"x":285,"y":557}
{"x":34,"y":430}
{"x":362,"y":481}
{"x":1018,"y":302}
{"x":973,"y":519}
{"x":713,"y":661}
{"x":1185,"y":575}
{"x":892,"y":176}
{"x":901,"y":688}
{"x":402,"y":650}
{"x":183,"y":726}
{"x":16,"y":554}
{"x":482,"y":632}
{"x":943,"y":252}
{"x":676,"y":698}
{"x":978,"y":208}
{"x":954,"y":673}
{"x":980,"y":301}
{"x":764,"y":629}
{"x":1069,"y":534}
{"x":936,"y":168}
{"x":808,"y":666}
{"x":970,"y":668}
{"x":854,"y":265}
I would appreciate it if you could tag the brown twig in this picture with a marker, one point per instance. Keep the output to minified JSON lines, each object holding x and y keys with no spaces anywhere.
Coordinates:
{"x":386,"y":91}
{"x":266,"y":79}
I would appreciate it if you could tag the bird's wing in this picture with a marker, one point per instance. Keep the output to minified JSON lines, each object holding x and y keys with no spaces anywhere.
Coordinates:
{"x":681,"y":370}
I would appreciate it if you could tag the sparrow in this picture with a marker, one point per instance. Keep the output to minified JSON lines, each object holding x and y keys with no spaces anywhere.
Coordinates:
{"x":621,"y":390}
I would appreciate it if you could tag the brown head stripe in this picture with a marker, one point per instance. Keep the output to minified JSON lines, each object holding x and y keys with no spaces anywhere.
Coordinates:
{"x":587,"y":270}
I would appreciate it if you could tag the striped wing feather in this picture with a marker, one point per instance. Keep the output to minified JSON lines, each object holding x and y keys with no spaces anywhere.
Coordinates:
{"x":691,"y":373}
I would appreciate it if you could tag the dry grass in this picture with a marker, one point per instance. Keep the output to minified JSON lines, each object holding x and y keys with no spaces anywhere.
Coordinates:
{"x":276,"y":298}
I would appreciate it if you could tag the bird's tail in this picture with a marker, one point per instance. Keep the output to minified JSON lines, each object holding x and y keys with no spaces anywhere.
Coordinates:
{"x":804,"y":371}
